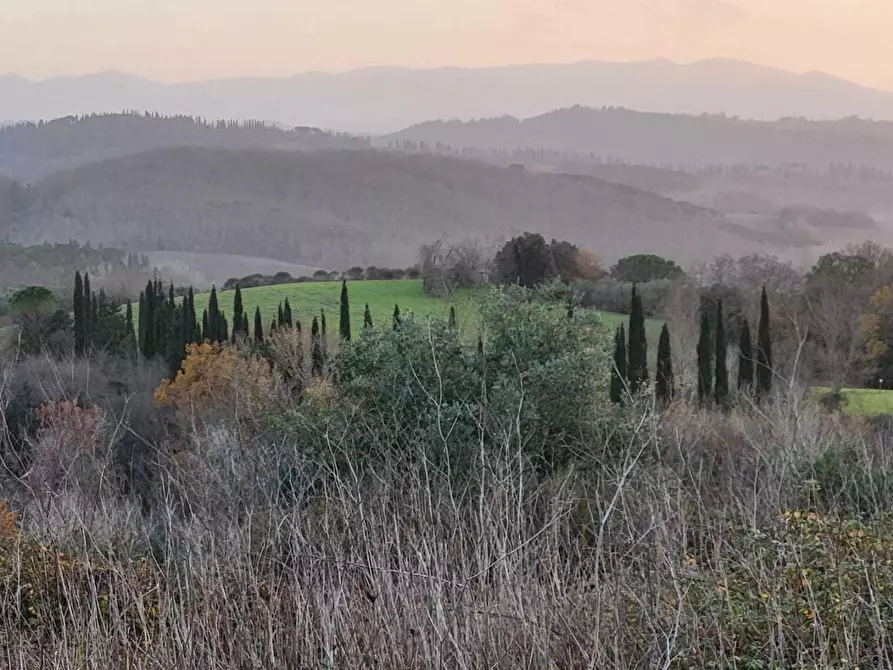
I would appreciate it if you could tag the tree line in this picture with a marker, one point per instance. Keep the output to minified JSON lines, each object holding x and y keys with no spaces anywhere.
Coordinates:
{"x":629,"y":373}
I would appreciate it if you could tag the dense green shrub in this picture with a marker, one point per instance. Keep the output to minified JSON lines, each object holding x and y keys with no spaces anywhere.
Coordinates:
{"x":539,"y":375}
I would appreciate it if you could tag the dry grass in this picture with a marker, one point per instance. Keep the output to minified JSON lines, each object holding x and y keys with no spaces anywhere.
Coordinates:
{"x":669,"y":549}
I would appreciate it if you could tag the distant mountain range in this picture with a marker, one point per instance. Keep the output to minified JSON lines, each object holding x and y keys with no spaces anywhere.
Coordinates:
{"x":384,"y":100}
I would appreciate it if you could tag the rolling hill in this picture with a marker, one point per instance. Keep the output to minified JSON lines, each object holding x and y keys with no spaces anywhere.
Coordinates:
{"x":383,"y":100}
{"x":671,"y":139}
{"x":340,"y":208}
{"x":29,"y":151}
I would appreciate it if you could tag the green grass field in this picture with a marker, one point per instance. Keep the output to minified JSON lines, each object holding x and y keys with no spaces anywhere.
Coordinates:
{"x":864,"y":402}
{"x":307,"y":299}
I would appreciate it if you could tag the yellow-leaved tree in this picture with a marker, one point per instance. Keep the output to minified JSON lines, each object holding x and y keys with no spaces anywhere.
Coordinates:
{"x":876,"y":329}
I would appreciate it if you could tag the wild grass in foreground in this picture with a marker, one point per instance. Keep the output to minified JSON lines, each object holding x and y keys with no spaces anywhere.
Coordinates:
{"x":429,"y":504}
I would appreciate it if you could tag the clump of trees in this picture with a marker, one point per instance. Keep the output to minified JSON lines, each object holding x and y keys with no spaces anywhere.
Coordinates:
{"x":528,"y":260}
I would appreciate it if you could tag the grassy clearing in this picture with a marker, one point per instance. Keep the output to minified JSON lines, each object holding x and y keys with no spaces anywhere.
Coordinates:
{"x":864,"y":402}
{"x":307,"y":299}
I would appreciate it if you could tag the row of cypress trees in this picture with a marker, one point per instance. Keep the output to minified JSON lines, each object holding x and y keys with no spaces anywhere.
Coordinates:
{"x":90,"y":310}
{"x":167,"y":326}
{"x":630,"y":369}
{"x":755,"y":369}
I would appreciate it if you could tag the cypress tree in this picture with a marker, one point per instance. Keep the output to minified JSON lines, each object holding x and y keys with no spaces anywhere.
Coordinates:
{"x":148,"y":317}
{"x":258,"y":327}
{"x":213,"y":333}
{"x":721,"y":385}
{"x":618,"y":370}
{"x":224,"y":328}
{"x":188,"y":319}
{"x":88,"y":313}
{"x":453,"y":323}
{"x":206,"y":327}
{"x":637,"y":349}
{"x":665,"y":382}
{"x":141,"y":343}
{"x":94,"y":318}
{"x":171,"y":298}
{"x":245,"y":323}
{"x":745,"y":359}
{"x":344,"y":323}
{"x":238,"y":310}
{"x":324,"y":338}
{"x":175,"y":352}
{"x":78,"y":302}
{"x":316,"y":362}
{"x":273,"y":326}
{"x":286,"y":314}
{"x":764,"y":349}
{"x":396,"y":316}
{"x":705,"y":360}
{"x":129,"y":333}
{"x":367,"y":318}
{"x":280,"y":316}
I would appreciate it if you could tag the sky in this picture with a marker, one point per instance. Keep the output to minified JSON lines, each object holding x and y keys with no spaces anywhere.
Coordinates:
{"x":184,"y":40}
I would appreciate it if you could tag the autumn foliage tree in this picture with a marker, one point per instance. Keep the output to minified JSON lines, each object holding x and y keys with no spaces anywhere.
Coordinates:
{"x":216,"y":381}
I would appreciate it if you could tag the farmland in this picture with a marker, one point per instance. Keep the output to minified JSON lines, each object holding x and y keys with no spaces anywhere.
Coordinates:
{"x":307,"y":299}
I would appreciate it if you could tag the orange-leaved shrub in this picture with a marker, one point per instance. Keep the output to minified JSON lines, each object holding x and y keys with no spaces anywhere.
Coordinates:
{"x":216,"y":380}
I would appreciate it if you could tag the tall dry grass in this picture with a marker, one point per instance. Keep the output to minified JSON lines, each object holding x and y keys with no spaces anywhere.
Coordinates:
{"x":692,"y":540}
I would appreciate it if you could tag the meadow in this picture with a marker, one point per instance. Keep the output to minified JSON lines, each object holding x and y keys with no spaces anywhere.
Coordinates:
{"x":864,"y":402}
{"x":308,"y":298}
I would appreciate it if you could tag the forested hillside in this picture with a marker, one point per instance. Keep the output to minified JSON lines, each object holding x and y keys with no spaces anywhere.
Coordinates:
{"x":339,"y":208}
{"x":32,"y":150}
{"x":672,"y":139}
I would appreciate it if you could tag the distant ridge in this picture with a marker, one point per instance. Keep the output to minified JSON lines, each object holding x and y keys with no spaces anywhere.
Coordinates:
{"x":385,"y":99}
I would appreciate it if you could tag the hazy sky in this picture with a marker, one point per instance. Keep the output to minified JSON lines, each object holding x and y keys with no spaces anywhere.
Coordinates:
{"x":176,"y":40}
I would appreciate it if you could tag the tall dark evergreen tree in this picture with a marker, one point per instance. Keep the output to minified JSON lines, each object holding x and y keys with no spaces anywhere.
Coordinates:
{"x":396,"y":316}
{"x":88,"y":313}
{"x":94,"y":318}
{"x":147,"y":317}
{"x":705,"y":360}
{"x":213,"y":317}
{"x":245,"y":322}
{"x":453,"y":324}
{"x":665,"y":387}
{"x":721,"y":383}
{"x":258,"y":327}
{"x":280,"y":316}
{"x":286,"y":314}
{"x":637,"y":349}
{"x":618,"y":370}
{"x":238,"y":310}
{"x":745,"y":358}
{"x":78,"y":302}
{"x":367,"y":318}
{"x":174,"y":352}
{"x":129,"y":333}
{"x":188,"y":318}
{"x":141,"y":340}
{"x":317,"y":362}
{"x":224,"y":328}
{"x":206,"y":327}
{"x":274,"y":327}
{"x":344,"y":323}
{"x":764,"y":349}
